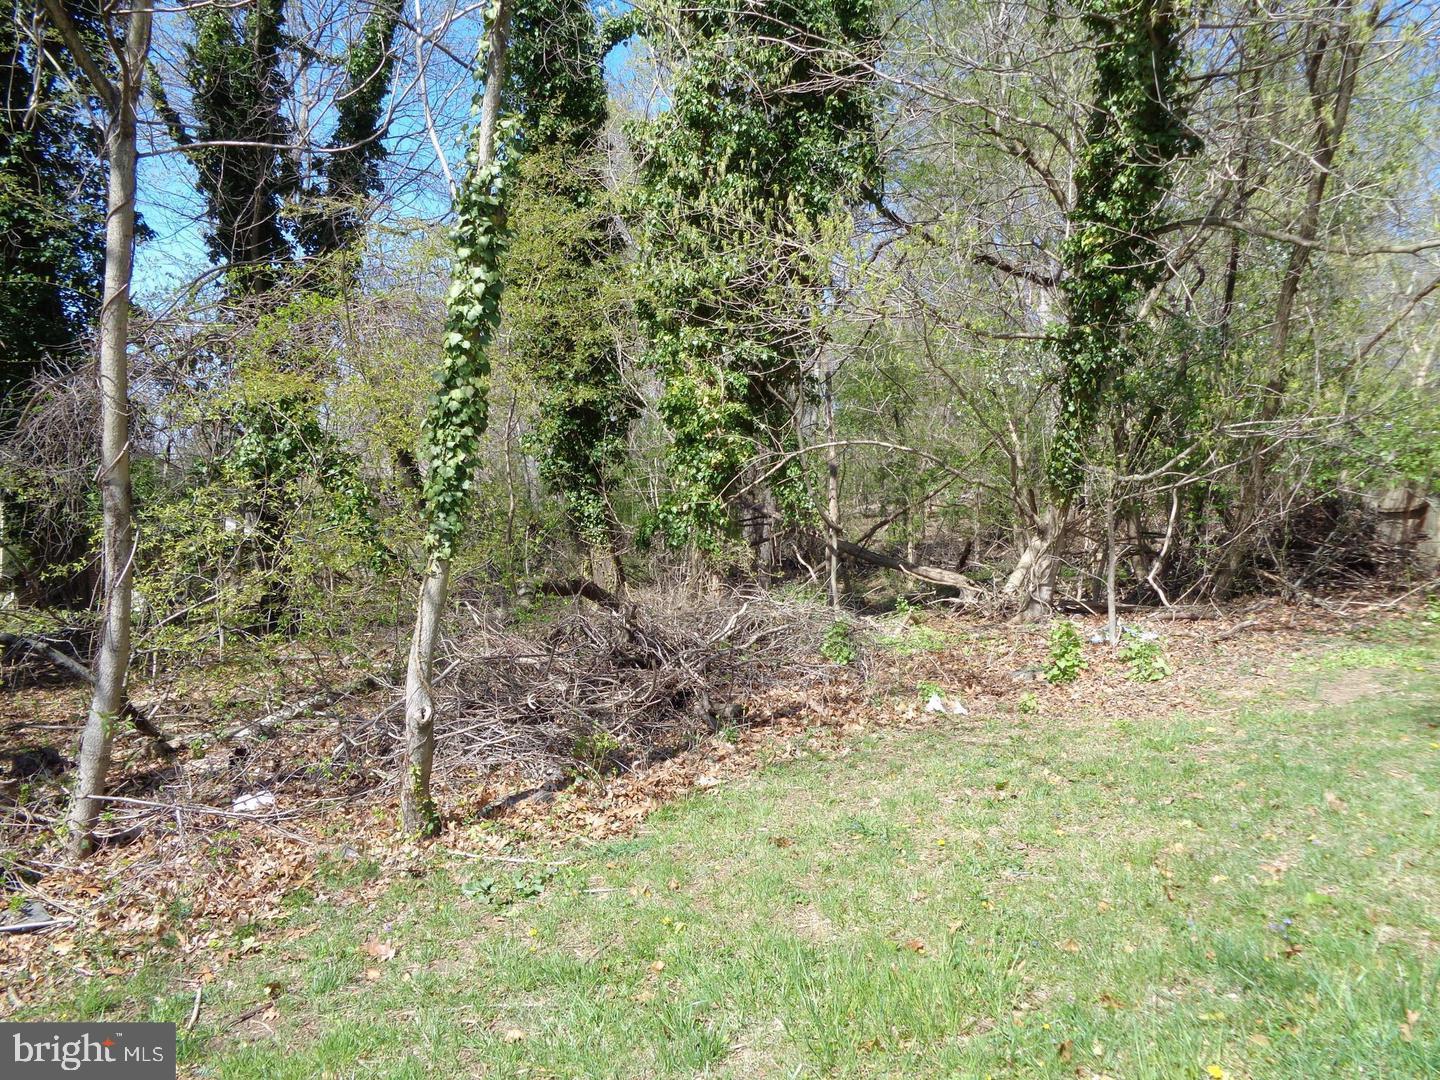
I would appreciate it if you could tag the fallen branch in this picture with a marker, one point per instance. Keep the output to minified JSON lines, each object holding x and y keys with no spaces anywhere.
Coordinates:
{"x":1238,"y":628}
{"x":931,"y":575}
{"x":73,"y":667}
{"x":267,"y":725}
{"x":33,"y":925}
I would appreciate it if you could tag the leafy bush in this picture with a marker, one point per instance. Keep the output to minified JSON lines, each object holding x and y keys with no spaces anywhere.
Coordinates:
{"x":1028,"y":703}
{"x":597,"y":752}
{"x":1066,"y":659}
{"x":838,"y":647}
{"x":1145,"y":656}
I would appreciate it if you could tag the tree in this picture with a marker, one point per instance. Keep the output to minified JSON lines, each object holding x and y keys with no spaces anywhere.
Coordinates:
{"x":1112,"y":256}
{"x":331,"y":217}
{"x":233,"y":70}
{"x":120,"y":97}
{"x":769,"y":134}
{"x":52,"y":215}
{"x":240,"y":74}
{"x":459,"y":410}
{"x":563,"y":269}
{"x":52,"y":219}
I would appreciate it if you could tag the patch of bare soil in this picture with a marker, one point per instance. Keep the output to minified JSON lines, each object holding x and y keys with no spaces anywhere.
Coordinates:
{"x":1349,"y":687}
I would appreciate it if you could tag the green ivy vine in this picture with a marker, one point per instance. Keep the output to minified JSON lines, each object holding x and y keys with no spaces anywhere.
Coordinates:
{"x":459,"y":408}
{"x":1111,"y":258}
{"x":768,"y":136}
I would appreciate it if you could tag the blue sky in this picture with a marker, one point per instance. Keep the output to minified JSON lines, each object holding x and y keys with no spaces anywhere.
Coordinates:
{"x":416,"y":189}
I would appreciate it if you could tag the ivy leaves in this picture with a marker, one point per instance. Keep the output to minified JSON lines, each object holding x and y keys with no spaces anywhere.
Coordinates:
{"x":1111,"y":257}
{"x":768,"y":134}
{"x":459,"y":410}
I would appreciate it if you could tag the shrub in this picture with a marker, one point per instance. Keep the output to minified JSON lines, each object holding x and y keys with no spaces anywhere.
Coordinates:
{"x":838,"y":647}
{"x":1145,"y":656}
{"x":1066,"y":660}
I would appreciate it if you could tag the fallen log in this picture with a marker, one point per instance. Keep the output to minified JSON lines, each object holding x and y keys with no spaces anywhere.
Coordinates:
{"x":587,"y":590}
{"x":931,"y":575}
{"x":267,"y":725}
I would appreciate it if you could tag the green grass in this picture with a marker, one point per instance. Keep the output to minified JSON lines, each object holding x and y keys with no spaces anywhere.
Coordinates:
{"x":905,"y":638}
{"x":1251,"y":893}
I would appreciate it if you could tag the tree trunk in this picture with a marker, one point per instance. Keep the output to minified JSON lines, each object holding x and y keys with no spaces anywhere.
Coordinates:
{"x":417,"y":808}
{"x":606,"y":569}
{"x":1038,"y":568}
{"x":832,"y":493}
{"x":112,"y":659}
{"x":1112,"y":618}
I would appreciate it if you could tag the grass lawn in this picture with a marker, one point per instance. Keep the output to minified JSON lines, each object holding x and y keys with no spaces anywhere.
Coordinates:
{"x":1249,"y":889}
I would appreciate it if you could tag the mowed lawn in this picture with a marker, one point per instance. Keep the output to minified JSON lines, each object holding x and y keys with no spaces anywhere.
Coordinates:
{"x":1242,"y":890}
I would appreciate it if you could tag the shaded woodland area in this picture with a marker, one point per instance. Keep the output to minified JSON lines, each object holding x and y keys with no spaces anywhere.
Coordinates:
{"x":562,"y":379}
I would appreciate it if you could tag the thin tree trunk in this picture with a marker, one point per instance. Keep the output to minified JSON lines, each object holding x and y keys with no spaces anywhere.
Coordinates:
{"x":832,"y":492}
{"x":112,"y":659}
{"x":417,"y":808}
{"x":1112,"y":619}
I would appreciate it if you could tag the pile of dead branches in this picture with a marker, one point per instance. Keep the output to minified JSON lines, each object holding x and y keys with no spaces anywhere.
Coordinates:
{"x":602,"y":688}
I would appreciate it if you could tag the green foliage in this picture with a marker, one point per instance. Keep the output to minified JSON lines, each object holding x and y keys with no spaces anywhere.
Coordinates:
{"x":1067,"y":658}
{"x":52,"y":216}
{"x":767,"y":137}
{"x":1111,"y":257}
{"x":1028,"y":703}
{"x":505,"y":891}
{"x":838,"y":645}
{"x":459,"y":409}
{"x":596,"y":752}
{"x":280,"y":530}
{"x":275,"y":406}
{"x":563,"y":263}
{"x":1397,"y":443}
{"x":1146,"y":657}
{"x":1431,"y":611}
{"x":233,"y":69}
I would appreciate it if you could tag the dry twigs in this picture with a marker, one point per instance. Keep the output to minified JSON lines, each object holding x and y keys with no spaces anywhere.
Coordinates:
{"x":610,"y":688}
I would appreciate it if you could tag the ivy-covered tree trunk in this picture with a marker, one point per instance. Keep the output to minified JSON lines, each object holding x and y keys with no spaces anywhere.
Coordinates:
{"x":768,"y":141}
{"x":457,"y":418}
{"x":566,"y":284}
{"x":1111,"y":257}
{"x":112,"y":658}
